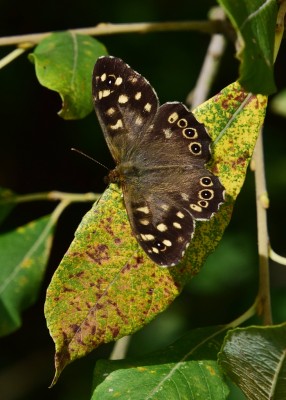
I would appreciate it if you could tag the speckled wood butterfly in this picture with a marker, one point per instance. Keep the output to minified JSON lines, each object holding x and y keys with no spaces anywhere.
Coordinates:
{"x":160,"y":154}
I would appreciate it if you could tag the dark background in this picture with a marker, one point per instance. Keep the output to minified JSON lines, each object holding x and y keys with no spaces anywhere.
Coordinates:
{"x":35,"y":156}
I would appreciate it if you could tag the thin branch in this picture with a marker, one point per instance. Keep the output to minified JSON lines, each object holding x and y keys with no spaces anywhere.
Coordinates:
{"x":11,"y":56}
{"x":276,"y":257}
{"x":50,"y":196}
{"x":210,"y":66}
{"x":110,"y":29}
{"x":120,"y":348}
{"x":262,"y":203}
{"x":244,"y":317}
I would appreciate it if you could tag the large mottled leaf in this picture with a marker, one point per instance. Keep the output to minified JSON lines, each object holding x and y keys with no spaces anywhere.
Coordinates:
{"x":254,"y":358}
{"x":105,"y":286}
{"x":64,"y":62}
{"x":23,"y":258}
{"x":185,"y":370}
{"x":255,"y":23}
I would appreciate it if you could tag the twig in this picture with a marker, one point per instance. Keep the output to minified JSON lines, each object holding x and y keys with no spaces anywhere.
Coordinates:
{"x":262,"y":203}
{"x":210,"y":66}
{"x":276,"y":257}
{"x":120,"y":348}
{"x":109,"y":29}
{"x":11,"y":56}
{"x":50,"y":196}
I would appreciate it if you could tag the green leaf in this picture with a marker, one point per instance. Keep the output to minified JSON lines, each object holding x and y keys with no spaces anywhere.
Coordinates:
{"x":254,"y":358}
{"x":255,"y":23}
{"x":23,"y":257}
{"x":185,"y":370}
{"x":5,"y":206}
{"x":64,"y":63}
{"x":106,"y":287}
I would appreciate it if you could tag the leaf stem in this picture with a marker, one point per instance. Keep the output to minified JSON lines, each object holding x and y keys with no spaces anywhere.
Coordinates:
{"x":11,"y":56}
{"x":262,"y":203}
{"x":276,"y":257}
{"x":51,"y":196}
{"x":213,"y":26}
{"x":120,"y":348}
{"x":244,"y":317}
{"x":210,"y":65}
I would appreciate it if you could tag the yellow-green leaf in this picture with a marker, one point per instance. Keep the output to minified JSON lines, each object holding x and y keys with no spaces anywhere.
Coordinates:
{"x":64,"y":62}
{"x":105,"y":286}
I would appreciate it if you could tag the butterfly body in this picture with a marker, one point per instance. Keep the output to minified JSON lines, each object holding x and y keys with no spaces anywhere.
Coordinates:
{"x":160,"y":154}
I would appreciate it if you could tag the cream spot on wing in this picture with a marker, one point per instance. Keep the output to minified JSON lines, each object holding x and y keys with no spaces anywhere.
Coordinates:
{"x":180,"y":214}
{"x":144,"y":221}
{"x":185,"y":196}
{"x":132,"y":79}
{"x":162,"y":227}
{"x":173,"y":117}
{"x":103,"y":77}
{"x":167,"y":242}
{"x":177,"y":225}
{"x":110,"y":111}
{"x":155,"y":250}
{"x":118,"y":81}
{"x":165,"y":207}
{"x":138,"y":121}
{"x":138,"y":96}
{"x":147,"y":107}
{"x":168,"y":133}
{"x":106,"y":93}
{"x":180,"y":239}
{"x":100,"y":94}
{"x":144,"y":210}
{"x":122,"y":99}
{"x":117,"y":125}
{"x":147,"y":237}
{"x":195,"y":207}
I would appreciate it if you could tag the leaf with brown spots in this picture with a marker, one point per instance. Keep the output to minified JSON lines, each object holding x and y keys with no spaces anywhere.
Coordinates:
{"x":106,"y":287}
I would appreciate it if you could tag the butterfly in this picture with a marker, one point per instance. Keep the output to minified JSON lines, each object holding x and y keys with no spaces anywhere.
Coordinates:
{"x":160,"y":154}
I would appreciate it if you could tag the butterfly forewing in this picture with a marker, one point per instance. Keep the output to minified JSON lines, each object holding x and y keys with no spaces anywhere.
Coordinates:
{"x":125,"y":104}
{"x":160,"y":155}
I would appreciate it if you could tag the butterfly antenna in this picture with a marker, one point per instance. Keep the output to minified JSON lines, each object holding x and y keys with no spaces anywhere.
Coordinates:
{"x":90,"y":158}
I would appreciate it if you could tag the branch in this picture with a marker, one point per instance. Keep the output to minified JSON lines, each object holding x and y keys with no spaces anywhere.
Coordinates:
{"x":50,"y":196}
{"x":262,"y":203}
{"x":215,"y":26}
{"x":210,"y":66}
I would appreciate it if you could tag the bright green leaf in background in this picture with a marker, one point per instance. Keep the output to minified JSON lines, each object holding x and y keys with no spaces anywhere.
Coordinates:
{"x":254,"y":358}
{"x":254,"y":22}
{"x":64,"y":63}
{"x":185,"y":370}
{"x":23,"y":258}
{"x":105,"y":286}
